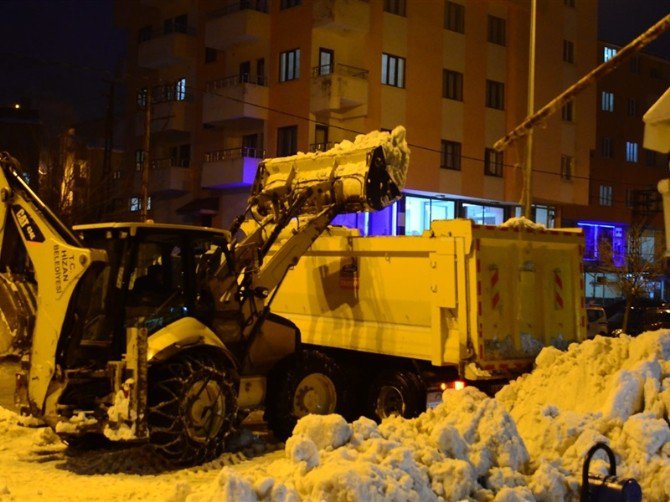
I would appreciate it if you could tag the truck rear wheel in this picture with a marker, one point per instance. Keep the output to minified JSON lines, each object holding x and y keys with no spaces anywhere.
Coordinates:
{"x":400,"y":392}
{"x":309,"y":382}
{"x":192,"y":408}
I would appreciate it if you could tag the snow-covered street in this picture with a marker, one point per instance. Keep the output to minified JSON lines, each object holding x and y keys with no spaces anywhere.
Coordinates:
{"x":527,"y":444}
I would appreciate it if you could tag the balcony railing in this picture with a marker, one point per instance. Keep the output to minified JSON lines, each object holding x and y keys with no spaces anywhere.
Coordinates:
{"x":340,"y":69}
{"x":234,"y":153}
{"x":235,"y":80}
{"x":232,"y":7}
{"x":168,"y":162}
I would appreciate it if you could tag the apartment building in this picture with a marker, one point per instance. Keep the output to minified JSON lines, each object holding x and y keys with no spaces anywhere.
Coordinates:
{"x":235,"y":81}
{"x":623,"y":175}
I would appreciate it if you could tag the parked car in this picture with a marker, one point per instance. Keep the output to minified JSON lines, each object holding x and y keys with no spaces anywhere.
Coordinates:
{"x":645,"y":315}
{"x":597,"y":322}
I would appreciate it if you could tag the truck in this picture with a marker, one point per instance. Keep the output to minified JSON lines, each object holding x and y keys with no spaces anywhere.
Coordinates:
{"x":162,"y":333}
{"x":462,"y":303}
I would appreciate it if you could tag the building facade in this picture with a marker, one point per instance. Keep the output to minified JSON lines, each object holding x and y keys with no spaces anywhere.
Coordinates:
{"x":624,"y":175}
{"x":232,"y":82}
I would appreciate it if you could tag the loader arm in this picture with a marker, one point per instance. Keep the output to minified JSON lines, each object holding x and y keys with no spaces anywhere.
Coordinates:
{"x":293,"y":200}
{"x":59,"y":260}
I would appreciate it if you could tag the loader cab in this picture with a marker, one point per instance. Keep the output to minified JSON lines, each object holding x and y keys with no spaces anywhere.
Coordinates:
{"x":153,"y":277}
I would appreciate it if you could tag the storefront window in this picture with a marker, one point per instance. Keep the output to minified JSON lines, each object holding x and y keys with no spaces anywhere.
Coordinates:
{"x":420,"y":211}
{"x":484,"y":215}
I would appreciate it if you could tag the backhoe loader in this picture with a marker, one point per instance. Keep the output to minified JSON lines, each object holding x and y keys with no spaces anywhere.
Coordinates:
{"x":163,"y":333}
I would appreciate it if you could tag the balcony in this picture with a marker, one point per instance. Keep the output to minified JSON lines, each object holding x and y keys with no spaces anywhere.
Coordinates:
{"x":169,"y":178}
{"x":241,"y":22}
{"x":238,"y":101}
{"x":235,"y":167}
{"x":342,"y":15}
{"x":161,"y":50}
{"x":342,"y":89}
{"x":169,"y":114}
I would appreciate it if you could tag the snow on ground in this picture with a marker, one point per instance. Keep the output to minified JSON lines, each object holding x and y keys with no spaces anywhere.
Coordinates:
{"x":527,"y":444}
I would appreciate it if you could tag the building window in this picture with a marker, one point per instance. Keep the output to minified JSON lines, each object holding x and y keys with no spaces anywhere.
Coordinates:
{"x":568,"y":51}
{"x":495,"y":95}
{"x":454,"y":17}
{"x":566,"y":167}
{"x":635,"y":64}
{"x":180,"y":89}
{"x":210,"y":54}
{"x":139,"y":159}
{"x":569,"y":3}
{"x":396,"y":7}
{"x":567,"y":111}
{"x":496,"y":30}
{"x":289,"y":65}
{"x":493,"y":162}
{"x":655,"y":72}
{"x":287,"y":4}
{"x":608,"y":53}
{"x":116,"y":174}
{"x":452,"y":85}
{"x":393,"y":70}
{"x":607,"y":101}
{"x":606,"y":148}
{"x":287,"y":141}
{"x":650,"y":158}
{"x":326,"y":60}
{"x":632,"y":107}
{"x":142,"y":96}
{"x":144,"y":34}
{"x":631,"y":151}
{"x":134,"y":204}
{"x":420,"y":211}
{"x":451,"y":155}
{"x":605,"y":195}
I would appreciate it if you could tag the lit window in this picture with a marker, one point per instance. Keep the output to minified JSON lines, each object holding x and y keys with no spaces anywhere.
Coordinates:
{"x":451,"y":155}
{"x":606,"y":148}
{"x":180,"y":89}
{"x":608,"y":53}
{"x":566,"y":167}
{"x":607,"y":101}
{"x":568,"y":51}
{"x":493,"y":162}
{"x":396,"y":7}
{"x":567,"y":112}
{"x":289,"y":65}
{"x":496,"y":30}
{"x":454,"y":17}
{"x":605,"y":195}
{"x":452,"y":85}
{"x":134,"y":204}
{"x":393,"y":70}
{"x":142,"y":95}
{"x":420,"y":211}
{"x":631,"y":151}
{"x":495,"y":95}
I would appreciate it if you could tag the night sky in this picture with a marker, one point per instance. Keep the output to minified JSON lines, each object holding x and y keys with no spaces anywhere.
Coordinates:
{"x":40,"y":38}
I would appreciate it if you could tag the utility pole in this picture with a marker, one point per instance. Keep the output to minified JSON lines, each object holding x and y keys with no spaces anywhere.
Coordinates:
{"x":144,"y":208}
{"x":527,"y":194}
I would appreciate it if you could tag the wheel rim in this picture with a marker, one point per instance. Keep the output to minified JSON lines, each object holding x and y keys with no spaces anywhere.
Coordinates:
{"x":389,"y":402}
{"x":314,"y":394}
{"x":205,"y":410}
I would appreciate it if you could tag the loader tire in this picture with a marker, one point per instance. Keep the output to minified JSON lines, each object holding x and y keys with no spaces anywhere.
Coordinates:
{"x":308,"y":382}
{"x":192,"y":407}
{"x":399,"y":392}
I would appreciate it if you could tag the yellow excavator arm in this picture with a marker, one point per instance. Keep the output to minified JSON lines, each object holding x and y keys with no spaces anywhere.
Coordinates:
{"x":58,"y":258}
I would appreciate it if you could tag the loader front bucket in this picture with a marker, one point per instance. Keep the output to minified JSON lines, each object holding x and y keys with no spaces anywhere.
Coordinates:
{"x":367,"y":174}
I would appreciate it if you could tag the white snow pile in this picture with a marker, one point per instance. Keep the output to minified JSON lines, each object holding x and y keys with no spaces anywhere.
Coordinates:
{"x":614,"y":390}
{"x":523,"y":223}
{"x":527,"y":444}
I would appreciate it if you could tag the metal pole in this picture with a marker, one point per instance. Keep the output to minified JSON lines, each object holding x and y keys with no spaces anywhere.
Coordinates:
{"x":144,"y":209}
{"x":528,"y":162}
